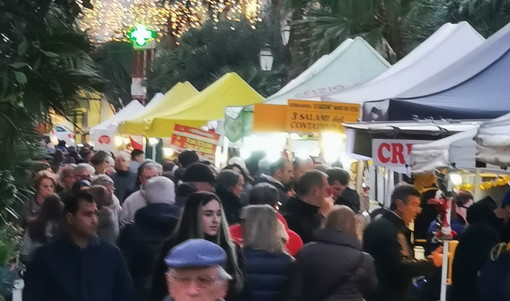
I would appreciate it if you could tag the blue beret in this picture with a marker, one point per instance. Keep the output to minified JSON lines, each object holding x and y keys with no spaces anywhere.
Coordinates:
{"x":196,"y":253}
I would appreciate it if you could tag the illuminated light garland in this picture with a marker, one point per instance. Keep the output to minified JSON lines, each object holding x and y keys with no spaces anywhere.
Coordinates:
{"x":501,"y":181}
{"x":112,"y":19}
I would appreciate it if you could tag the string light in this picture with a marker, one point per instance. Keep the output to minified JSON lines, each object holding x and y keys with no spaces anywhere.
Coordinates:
{"x":112,"y":19}
{"x":486,"y":185}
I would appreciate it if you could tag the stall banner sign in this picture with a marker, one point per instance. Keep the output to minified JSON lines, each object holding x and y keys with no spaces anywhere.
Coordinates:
{"x":394,"y":154}
{"x":204,"y":143}
{"x":317,"y":116}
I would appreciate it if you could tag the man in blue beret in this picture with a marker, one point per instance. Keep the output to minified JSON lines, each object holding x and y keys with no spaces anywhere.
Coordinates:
{"x":195,"y":272}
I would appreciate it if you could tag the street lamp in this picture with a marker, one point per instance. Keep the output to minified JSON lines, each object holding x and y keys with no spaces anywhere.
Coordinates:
{"x":285,"y":32}
{"x":266,"y":58}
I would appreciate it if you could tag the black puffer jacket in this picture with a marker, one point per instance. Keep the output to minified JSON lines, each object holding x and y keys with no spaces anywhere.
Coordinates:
{"x":231,"y":205}
{"x":484,"y":231}
{"x":141,"y":241}
{"x":332,"y":267}
{"x":266,"y":275}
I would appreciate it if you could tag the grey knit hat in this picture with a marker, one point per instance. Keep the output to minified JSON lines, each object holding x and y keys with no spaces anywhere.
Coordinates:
{"x":160,"y":190}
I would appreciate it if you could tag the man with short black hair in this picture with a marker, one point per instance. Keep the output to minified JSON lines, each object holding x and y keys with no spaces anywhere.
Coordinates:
{"x":339,"y":179}
{"x":282,"y":174}
{"x":197,"y":177}
{"x":388,"y":240}
{"x":188,"y":157}
{"x":137,"y":157}
{"x":78,"y":266}
{"x":302,"y":212}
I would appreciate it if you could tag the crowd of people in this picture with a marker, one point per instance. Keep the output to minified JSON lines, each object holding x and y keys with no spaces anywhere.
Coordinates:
{"x":120,"y":227}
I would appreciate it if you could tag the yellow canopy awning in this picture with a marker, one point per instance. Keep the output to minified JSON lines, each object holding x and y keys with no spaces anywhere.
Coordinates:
{"x":173,"y":101}
{"x":229,"y":90}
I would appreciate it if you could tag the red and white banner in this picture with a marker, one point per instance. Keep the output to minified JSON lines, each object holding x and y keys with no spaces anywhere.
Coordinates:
{"x":203,"y":142}
{"x":393,"y":154}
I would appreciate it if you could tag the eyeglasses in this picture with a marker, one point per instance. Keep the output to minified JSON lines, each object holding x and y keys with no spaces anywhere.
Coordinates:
{"x":83,"y":177}
{"x":201,"y":281}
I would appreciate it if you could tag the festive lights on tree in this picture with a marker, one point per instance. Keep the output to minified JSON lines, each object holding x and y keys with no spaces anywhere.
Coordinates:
{"x":113,"y":19}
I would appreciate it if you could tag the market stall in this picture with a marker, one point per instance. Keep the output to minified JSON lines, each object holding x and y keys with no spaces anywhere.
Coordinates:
{"x":104,"y":134}
{"x":447,"y":45}
{"x":493,"y":141}
{"x":175,"y":98}
{"x":352,"y":62}
{"x":474,"y":86}
{"x":208,"y":105}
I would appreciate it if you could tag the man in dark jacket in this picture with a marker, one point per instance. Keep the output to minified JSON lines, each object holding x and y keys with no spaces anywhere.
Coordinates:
{"x":339,"y":179}
{"x":302,"y":212}
{"x":78,"y":266}
{"x":123,"y":178}
{"x":475,"y":243}
{"x":388,"y":240}
{"x":197,"y":177}
{"x":281,"y":175}
{"x":140,"y":242}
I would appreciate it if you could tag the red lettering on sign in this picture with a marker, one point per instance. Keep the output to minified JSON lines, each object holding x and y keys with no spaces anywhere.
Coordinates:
{"x":382,"y":152}
{"x":397,"y":155}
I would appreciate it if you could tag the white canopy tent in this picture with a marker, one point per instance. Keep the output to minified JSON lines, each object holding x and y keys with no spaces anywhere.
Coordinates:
{"x":457,"y":151}
{"x":353,"y":62}
{"x":493,"y":141}
{"x":103,"y":134}
{"x":448,"y":44}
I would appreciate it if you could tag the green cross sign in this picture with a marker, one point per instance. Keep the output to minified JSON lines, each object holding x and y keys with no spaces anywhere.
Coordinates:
{"x":140,"y":35}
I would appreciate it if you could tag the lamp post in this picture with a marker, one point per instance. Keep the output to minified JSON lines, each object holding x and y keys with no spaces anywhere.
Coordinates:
{"x":285,"y":32}
{"x":266,"y":58}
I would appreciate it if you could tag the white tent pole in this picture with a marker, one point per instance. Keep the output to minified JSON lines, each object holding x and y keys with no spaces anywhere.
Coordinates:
{"x":444,"y":271}
{"x":478,"y":180}
{"x":446,"y":243}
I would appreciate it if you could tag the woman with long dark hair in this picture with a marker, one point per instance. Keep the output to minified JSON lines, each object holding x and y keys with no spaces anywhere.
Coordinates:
{"x":46,"y":226}
{"x":202,"y":217}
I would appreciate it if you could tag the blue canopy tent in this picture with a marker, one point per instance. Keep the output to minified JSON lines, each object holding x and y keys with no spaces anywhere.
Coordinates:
{"x":474,"y":87}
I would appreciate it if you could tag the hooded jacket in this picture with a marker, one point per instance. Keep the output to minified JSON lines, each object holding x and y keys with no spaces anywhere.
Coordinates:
{"x":231,"y":205}
{"x":141,"y":241}
{"x":475,"y":243}
{"x":332,"y":267}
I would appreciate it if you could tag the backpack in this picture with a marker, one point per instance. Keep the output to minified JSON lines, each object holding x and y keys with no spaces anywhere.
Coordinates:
{"x":493,"y":283}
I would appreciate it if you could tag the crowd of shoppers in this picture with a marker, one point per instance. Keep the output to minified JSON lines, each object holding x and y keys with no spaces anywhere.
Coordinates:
{"x":118,"y":227}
